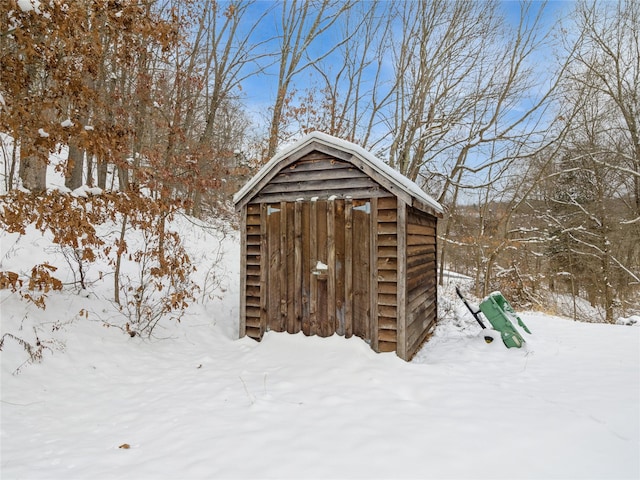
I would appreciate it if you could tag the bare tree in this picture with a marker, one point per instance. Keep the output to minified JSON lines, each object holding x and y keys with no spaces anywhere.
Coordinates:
{"x":435,"y":64}
{"x":607,"y":63}
{"x":302,"y":24}
{"x":353,"y":91}
{"x":593,"y":202}
{"x":231,"y":55}
{"x":465,"y":112}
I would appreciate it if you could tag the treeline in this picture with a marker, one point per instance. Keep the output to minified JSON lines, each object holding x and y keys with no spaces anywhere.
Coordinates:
{"x":487,"y":103}
{"x":546,"y":256}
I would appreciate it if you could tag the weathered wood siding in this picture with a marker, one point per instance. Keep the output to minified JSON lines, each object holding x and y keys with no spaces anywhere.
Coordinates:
{"x":319,"y":175}
{"x":285,"y":239}
{"x":380,"y":282}
{"x":251,"y":282}
{"x":421,"y":297}
{"x":387,"y":274}
{"x":284,"y":291}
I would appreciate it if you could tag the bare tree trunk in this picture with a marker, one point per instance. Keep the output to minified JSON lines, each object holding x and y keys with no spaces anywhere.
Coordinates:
{"x":608,"y":292}
{"x":33,"y":170}
{"x":123,"y":178}
{"x":75,"y":165}
{"x":102,"y":169}
{"x":90,"y":167}
{"x":121,"y":250}
{"x":12,"y":168}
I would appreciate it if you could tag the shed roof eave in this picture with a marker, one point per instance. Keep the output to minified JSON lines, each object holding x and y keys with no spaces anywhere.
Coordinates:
{"x":427,"y":208}
{"x":378,"y":166}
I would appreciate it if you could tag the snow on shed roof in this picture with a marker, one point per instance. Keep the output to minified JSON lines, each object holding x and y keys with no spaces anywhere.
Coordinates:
{"x":377,"y":165}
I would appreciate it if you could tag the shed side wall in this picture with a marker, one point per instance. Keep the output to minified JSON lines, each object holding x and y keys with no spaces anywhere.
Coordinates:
{"x":421,"y":283}
{"x":251,"y":271}
{"x":387,"y":274}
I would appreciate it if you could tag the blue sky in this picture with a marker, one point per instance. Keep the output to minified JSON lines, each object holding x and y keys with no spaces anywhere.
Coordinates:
{"x":259,"y":91}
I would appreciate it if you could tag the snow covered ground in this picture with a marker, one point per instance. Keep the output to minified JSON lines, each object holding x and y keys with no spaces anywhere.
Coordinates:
{"x":194,"y":402}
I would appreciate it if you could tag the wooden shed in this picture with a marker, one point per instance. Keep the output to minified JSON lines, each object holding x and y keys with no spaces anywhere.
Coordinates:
{"x":336,"y":241}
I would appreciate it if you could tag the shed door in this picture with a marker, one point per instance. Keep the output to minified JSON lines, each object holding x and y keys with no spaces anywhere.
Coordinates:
{"x":319,"y":267}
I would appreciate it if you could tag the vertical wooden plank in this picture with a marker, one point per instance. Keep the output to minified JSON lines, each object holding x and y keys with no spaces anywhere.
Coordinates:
{"x":361,"y":269}
{"x":401,"y":320}
{"x":313,"y":256}
{"x":274,"y":284}
{"x":264,"y":268}
{"x":373,"y":288}
{"x":297,"y":253}
{"x":348,"y":267}
{"x":290,"y":270}
{"x":282,"y":268}
{"x":242,"y":327}
{"x":306,"y":268}
{"x":323,"y":328}
{"x":339,"y":241}
{"x":331,"y":262}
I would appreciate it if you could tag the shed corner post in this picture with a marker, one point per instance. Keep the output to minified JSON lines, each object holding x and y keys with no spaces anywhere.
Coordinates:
{"x":435,"y":299}
{"x":242,"y":328}
{"x":401,"y":319}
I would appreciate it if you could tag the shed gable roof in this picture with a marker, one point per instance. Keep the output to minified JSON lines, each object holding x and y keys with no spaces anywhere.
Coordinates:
{"x":389,"y":178}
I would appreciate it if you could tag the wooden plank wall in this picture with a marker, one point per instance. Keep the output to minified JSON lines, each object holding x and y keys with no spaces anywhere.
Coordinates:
{"x":319,"y":175}
{"x":421,"y":297}
{"x":359,"y":278}
{"x":387,"y":274}
{"x":283,"y":242}
{"x":285,"y":234}
{"x":282,"y":268}
{"x":251,"y":293}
